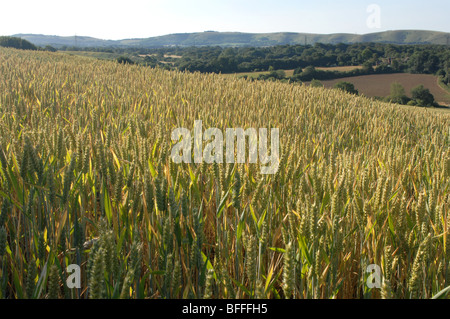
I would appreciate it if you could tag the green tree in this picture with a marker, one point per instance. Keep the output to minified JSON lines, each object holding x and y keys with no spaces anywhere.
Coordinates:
{"x":298,"y":71}
{"x":309,"y":70}
{"x":398,"y":94}
{"x":316,"y":84}
{"x":309,"y":73}
{"x":50,"y":48}
{"x":367,"y":54}
{"x":17,"y":43}
{"x":347,"y":87}
{"x":441,"y":72}
{"x":423,"y":96}
{"x":367,"y":67}
{"x":124,"y":60}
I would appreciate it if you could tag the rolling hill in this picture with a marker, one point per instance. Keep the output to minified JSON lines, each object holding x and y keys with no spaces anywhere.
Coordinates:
{"x":211,"y":38}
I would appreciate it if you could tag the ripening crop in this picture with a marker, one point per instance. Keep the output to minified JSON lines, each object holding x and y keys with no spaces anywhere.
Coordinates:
{"x":86,"y":178}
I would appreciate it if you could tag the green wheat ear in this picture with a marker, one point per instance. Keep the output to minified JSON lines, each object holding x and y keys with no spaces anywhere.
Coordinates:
{"x":24,"y":162}
{"x":184,"y":204}
{"x":168,"y":276}
{"x":125,"y":292}
{"x":260,"y":290}
{"x":177,"y":277}
{"x":86,"y":158}
{"x":288,"y":271}
{"x":53,"y":283}
{"x":386,"y":290}
{"x":97,"y":277}
{"x":250,"y":259}
{"x":229,"y":289}
{"x":173,"y":205}
{"x":208,"y":294}
{"x":161,"y":191}
{"x":31,"y":276}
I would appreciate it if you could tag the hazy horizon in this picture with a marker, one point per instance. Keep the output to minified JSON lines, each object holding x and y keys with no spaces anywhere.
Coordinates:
{"x":116,"y":20}
{"x":88,"y":36}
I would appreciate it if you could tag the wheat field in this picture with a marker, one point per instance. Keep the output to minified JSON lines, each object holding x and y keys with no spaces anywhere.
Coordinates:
{"x":87,"y":179}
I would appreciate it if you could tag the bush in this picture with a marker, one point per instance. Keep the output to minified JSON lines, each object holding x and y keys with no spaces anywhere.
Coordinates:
{"x":398,"y":94}
{"x":441,"y":72}
{"x":298,"y":71}
{"x":273,"y":75}
{"x":49,"y":48}
{"x":124,"y":60}
{"x":423,"y":96}
{"x":316,"y":84}
{"x":347,"y":87}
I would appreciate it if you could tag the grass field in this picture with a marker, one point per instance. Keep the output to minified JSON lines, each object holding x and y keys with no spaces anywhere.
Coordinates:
{"x":379,"y":84}
{"x":340,"y":68}
{"x":248,"y":74}
{"x":87,"y":179}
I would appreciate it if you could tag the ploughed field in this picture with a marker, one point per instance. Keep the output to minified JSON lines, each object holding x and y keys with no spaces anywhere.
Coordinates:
{"x":380,"y":84}
{"x":87,"y":179}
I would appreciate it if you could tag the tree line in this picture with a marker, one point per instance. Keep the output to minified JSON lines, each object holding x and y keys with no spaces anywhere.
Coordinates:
{"x":375,"y":58}
{"x":421,"y":59}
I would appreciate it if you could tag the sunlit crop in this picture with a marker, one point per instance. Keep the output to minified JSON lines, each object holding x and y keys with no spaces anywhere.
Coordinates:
{"x":87,"y":179}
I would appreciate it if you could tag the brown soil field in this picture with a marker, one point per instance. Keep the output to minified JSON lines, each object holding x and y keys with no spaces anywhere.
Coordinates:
{"x":380,"y":84}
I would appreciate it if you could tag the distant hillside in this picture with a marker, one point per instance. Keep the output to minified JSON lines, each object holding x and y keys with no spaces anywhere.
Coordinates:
{"x":227,"y":39}
{"x":57,"y":41}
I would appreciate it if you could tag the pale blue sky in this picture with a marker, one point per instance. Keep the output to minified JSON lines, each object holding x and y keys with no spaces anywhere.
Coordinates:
{"x":144,"y":18}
